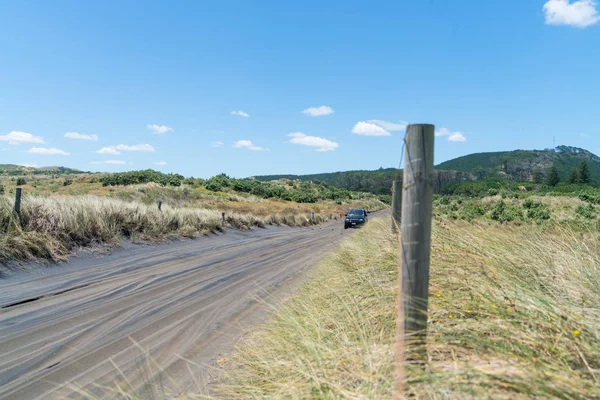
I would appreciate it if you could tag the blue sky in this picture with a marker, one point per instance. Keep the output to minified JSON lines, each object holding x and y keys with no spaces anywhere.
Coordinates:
{"x":202,"y":87}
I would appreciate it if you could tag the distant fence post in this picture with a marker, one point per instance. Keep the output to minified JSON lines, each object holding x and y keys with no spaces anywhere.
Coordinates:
{"x":312,"y":216}
{"x":18,"y":194}
{"x":160,"y":206}
{"x":415,"y":247}
{"x":223,"y":218}
{"x":396,"y":204}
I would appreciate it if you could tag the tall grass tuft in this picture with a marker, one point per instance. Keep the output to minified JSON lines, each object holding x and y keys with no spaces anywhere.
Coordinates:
{"x":51,"y":227}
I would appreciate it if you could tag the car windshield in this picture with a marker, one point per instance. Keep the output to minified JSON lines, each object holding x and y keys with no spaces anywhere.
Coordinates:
{"x":355,"y":213}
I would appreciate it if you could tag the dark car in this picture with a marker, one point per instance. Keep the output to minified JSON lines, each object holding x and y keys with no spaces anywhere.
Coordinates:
{"x":355,"y":217}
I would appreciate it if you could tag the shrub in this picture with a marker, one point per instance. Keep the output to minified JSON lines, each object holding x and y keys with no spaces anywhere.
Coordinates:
{"x":137,"y":177}
{"x":470,"y":211}
{"x":590,"y":197}
{"x":67,"y":182}
{"x":1,"y":189}
{"x":536,"y":211}
{"x":587,"y":212}
{"x":21,"y":181}
{"x":503,"y":212}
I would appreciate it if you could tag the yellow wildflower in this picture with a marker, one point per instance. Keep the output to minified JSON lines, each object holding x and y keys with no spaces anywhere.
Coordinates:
{"x":451,"y":316}
{"x":468,"y":311}
{"x":493,"y":306}
{"x":508,"y":308}
{"x":576,"y":332}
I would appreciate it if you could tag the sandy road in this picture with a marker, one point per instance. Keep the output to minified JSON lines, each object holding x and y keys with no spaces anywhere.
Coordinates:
{"x":76,"y":325}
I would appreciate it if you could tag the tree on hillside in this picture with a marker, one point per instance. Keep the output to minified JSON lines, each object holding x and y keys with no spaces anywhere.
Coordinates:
{"x":553,"y":178}
{"x":574,"y":178}
{"x":584,"y":173}
{"x":537,"y":176}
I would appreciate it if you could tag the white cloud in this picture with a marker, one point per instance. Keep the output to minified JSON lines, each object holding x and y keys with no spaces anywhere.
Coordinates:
{"x":28,"y":165}
{"x":47,"y":151}
{"x":116,"y":150}
{"x":138,"y":147}
{"x":16,"y":137}
{"x":390,"y":126}
{"x":580,"y":13}
{"x":369,"y":129}
{"x":247,"y":144}
{"x":108,"y":150}
{"x":217,"y":144}
{"x":161,"y":163}
{"x":321,"y":144}
{"x":109,"y":162}
{"x":452,"y":136}
{"x":159,"y":129}
{"x":79,"y":136}
{"x":318,"y":111}
{"x":240,"y":113}
{"x":585,"y":135}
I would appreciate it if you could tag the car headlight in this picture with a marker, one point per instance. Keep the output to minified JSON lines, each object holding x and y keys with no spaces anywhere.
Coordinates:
{"x":347,"y":220}
{"x":361,"y":220}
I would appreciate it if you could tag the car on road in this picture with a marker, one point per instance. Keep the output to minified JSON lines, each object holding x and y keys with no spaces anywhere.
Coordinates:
{"x":355,"y":217}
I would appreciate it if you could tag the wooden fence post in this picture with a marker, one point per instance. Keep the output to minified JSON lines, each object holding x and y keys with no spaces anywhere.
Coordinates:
{"x":396,"y":204}
{"x":18,"y":194}
{"x":312,"y":215}
{"x":160,"y":206}
{"x":223,"y":219}
{"x":415,"y":247}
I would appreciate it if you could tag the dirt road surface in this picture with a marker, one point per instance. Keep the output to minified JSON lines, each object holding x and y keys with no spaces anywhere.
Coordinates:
{"x":77,"y":328}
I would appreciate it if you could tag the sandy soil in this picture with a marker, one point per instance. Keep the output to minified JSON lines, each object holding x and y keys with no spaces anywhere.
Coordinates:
{"x":124,"y":317}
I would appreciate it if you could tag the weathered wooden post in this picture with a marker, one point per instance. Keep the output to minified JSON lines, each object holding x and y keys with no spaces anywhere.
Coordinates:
{"x":415,"y":247}
{"x":396,"y":204}
{"x":160,"y":206}
{"x":18,"y":194}
{"x":223,"y":219}
{"x":312,"y":216}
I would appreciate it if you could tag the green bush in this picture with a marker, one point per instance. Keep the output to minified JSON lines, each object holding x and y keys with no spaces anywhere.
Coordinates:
{"x":137,"y":177}
{"x":536,"y":211}
{"x":471,"y":211}
{"x":21,"y":181}
{"x":67,"y":182}
{"x":503,"y":212}
{"x":1,"y":189}
{"x":590,"y":197}
{"x":587,"y":212}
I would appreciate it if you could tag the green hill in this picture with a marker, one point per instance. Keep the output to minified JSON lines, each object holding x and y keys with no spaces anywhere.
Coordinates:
{"x":14,"y":169}
{"x":521,"y":164}
{"x":518,"y":165}
{"x":378,"y":181}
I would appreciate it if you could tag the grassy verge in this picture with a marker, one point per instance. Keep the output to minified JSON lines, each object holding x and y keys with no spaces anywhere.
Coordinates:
{"x":514,"y":313}
{"x":51,"y":227}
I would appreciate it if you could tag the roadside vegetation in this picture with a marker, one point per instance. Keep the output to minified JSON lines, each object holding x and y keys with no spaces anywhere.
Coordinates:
{"x":514,"y":314}
{"x":62,"y":213}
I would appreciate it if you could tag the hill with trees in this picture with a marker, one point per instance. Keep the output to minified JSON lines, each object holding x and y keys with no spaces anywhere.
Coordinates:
{"x":528,"y":165}
{"x":572,"y":165}
{"x":14,"y":169}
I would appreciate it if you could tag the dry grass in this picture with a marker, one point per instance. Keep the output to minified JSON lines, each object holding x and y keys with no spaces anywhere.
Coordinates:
{"x":51,"y":227}
{"x":514,"y":314}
